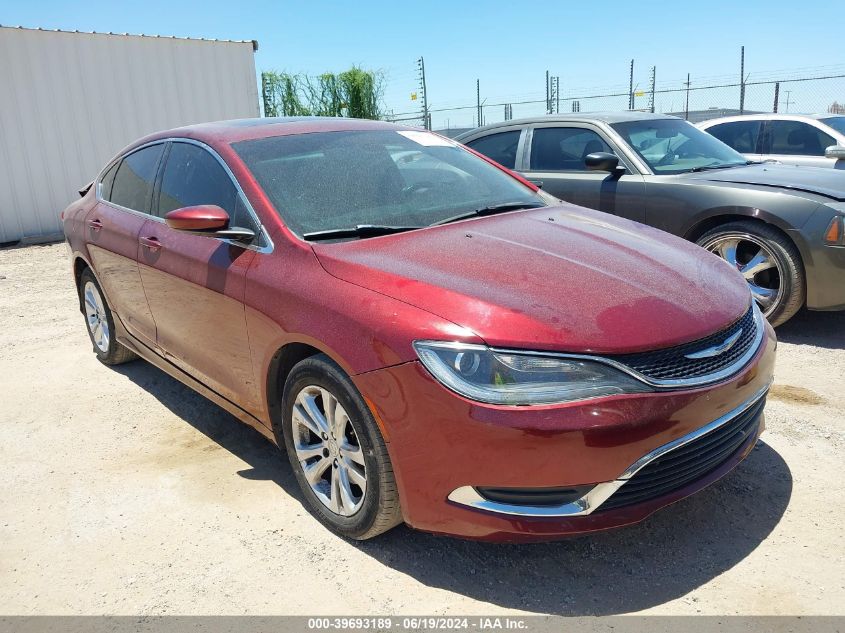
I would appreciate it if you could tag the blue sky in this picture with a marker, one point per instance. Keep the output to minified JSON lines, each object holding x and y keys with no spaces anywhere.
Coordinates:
{"x":508,"y":46}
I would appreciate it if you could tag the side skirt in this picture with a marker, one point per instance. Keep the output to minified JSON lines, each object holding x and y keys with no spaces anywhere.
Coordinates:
{"x":124,"y":338}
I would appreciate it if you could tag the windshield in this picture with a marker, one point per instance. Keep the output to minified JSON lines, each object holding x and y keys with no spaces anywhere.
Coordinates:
{"x":332,"y":180}
{"x":836,"y":122}
{"x":672,"y":146}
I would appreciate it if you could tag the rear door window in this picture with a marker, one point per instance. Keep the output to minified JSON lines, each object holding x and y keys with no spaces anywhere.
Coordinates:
{"x":133,"y":182}
{"x":740,"y":135}
{"x":564,"y":148}
{"x":500,"y":147}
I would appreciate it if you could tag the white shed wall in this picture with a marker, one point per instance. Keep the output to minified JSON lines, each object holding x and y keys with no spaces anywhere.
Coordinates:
{"x":70,"y":101}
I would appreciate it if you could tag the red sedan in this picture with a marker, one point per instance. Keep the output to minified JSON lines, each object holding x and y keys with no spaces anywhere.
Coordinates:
{"x":429,"y":337}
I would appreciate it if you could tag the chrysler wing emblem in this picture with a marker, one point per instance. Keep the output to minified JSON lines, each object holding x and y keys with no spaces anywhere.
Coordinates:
{"x":721,"y":348}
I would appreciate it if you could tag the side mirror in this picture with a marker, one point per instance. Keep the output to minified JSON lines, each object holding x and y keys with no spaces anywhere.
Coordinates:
{"x":835,"y":151}
{"x":206,"y":219}
{"x":602,"y":161}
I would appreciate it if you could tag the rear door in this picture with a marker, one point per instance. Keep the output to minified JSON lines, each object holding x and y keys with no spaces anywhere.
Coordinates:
{"x":123,"y":203}
{"x":796,"y":143}
{"x":555,"y":157}
{"x":194,"y":283}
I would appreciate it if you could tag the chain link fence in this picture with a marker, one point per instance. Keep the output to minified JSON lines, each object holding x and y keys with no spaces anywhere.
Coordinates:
{"x":805,"y":93}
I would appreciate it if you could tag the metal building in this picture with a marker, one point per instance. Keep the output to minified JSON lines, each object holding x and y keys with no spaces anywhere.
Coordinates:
{"x":69,"y":101}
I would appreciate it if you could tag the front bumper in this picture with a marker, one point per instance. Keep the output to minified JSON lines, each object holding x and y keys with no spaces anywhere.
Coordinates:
{"x":441,"y":443}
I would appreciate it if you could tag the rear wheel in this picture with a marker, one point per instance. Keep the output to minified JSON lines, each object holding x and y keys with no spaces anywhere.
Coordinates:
{"x":769,"y":261}
{"x":337,"y":452}
{"x":98,"y":318}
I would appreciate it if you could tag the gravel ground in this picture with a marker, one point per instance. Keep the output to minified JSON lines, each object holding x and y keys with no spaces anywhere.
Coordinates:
{"x":124,"y":492}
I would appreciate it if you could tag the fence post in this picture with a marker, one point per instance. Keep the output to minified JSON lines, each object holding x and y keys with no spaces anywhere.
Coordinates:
{"x":777,"y":96}
{"x":742,"y":82}
{"x":631,"y":87}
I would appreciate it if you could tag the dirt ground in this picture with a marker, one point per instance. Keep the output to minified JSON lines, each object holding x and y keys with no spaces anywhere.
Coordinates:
{"x":124,"y":492}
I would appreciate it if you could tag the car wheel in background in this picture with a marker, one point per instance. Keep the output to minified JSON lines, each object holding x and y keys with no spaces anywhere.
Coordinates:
{"x":98,"y":318}
{"x":768,"y":260}
{"x":337,"y":451}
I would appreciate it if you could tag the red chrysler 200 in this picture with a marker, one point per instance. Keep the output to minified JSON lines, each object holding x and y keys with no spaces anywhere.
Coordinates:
{"x":429,"y":337}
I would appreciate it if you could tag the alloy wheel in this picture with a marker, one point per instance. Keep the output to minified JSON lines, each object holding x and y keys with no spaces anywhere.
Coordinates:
{"x":327,"y":448}
{"x":95,"y":314}
{"x":755,"y":261}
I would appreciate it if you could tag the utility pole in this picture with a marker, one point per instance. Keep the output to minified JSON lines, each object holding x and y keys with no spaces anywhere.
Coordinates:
{"x":425,"y":113}
{"x":478,"y":102}
{"x":686,"y":109}
{"x":777,"y":97}
{"x":548,"y":103}
{"x":653,"y":86}
{"x":631,"y":87}
{"x":742,"y":81}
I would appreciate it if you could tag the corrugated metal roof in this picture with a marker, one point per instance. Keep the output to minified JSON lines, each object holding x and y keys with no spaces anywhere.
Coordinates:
{"x":170,"y":37}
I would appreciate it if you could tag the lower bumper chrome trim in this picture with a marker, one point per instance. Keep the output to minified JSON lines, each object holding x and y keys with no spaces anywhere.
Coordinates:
{"x":469,"y":496}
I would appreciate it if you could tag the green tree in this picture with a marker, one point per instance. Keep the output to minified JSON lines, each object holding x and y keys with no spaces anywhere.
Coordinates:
{"x":353,"y":93}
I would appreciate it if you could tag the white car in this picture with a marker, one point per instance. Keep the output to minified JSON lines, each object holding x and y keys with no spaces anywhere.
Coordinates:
{"x":814,"y":140}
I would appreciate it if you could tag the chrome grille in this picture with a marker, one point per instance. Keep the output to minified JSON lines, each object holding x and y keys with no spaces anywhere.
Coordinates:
{"x":672,"y":363}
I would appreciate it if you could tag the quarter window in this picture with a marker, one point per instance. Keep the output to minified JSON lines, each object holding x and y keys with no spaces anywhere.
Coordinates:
{"x":133,"y":182}
{"x":564,"y":149}
{"x":741,"y":135}
{"x":796,"y":138}
{"x":500,"y":147}
{"x":107,"y":181}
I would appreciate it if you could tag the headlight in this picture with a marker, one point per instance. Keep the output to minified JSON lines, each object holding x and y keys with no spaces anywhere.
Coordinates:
{"x":497,"y":377}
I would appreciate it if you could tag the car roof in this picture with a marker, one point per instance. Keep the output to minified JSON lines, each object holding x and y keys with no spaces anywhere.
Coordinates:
{"x":770,"y":116}
{"x":232,"y":131}
{"x":591,"y":117}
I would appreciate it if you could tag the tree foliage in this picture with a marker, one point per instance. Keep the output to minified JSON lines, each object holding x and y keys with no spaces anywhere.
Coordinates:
{"x":353,"y":93}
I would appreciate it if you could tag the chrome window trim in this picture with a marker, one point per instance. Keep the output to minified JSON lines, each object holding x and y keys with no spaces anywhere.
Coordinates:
{"x":268,"y":248}
{"x":674,"y":383}
{"x":469,"y":496}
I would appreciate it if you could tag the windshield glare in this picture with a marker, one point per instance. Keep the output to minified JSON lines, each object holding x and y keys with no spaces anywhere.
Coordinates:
{"x":332,"y":180}
{"x":836,"y":122}
{"x":672,"y":146}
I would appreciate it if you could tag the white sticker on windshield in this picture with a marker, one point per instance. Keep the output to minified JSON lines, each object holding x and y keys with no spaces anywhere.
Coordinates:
{"x":426,"y":138}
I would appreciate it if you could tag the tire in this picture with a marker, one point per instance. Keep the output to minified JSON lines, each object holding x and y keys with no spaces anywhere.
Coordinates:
{"x":100,"y":322}
{"x":745,"y":242}
{"x":344,"y":451}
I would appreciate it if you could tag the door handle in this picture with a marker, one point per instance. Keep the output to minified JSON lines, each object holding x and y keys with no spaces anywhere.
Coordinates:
{"x":95,"y":225}
{"x":538,"y":183}
{"x":150,"y":243}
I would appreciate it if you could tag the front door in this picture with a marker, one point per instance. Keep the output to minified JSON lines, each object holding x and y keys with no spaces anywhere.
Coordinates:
{"x":796,"y":143}
{"x":556,"y":158}
{"x":194,"y":283}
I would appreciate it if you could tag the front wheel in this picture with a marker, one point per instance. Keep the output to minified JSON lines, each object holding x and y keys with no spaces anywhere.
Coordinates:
{"x":769,"y":261}
{"x":337,"y":452}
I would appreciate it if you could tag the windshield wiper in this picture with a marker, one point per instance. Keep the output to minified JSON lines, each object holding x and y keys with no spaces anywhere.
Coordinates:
{"x":359,"y":230}
{"x":722,"y":166}
{"x":492,"y":210}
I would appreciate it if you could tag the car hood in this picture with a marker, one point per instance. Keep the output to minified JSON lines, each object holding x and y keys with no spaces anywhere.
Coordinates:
{"x":829,"y":183}
{"x":557,"y":278}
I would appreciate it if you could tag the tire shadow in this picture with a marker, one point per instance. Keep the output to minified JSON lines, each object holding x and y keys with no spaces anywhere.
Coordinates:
{"x":821,"y":329}
{"x":669,"y":555}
